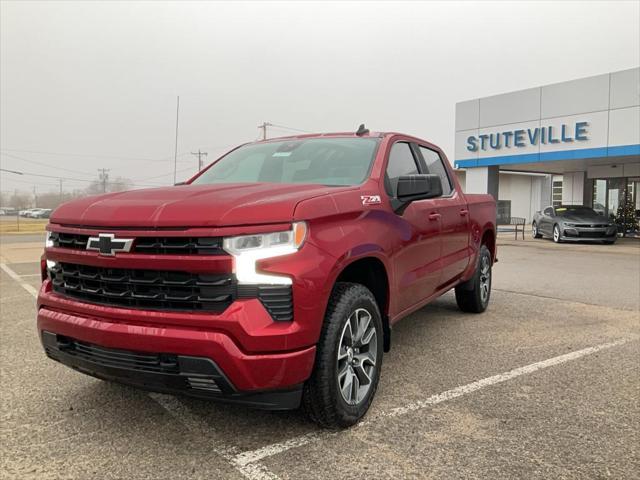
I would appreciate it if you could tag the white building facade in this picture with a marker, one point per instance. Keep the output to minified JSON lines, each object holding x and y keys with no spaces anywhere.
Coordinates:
{"x":584,"y":134}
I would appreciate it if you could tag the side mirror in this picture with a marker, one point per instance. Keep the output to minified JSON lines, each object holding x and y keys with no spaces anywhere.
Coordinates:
{"x":417,"y":187}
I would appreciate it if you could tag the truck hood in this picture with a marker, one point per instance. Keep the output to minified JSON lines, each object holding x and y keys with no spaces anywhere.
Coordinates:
{"x":191,"y":206}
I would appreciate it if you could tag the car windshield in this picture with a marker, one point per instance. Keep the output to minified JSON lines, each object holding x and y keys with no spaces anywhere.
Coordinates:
{"x":325,"y":161}
{"x":575,"y":209}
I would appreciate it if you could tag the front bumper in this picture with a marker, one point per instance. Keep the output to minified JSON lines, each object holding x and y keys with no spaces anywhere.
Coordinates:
{"x":176,"y":374}
{"x":583,"y":234}
{"x":248,"y":375}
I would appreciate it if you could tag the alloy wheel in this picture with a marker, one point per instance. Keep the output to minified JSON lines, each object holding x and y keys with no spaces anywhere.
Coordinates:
{"x":357,"y":354}
{"x":556,"y":234}
{"x":485,"y":279}
{"x":534,"y":229}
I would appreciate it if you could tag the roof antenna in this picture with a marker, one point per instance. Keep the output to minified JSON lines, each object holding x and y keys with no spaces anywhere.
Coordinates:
{"x":362,"y":130}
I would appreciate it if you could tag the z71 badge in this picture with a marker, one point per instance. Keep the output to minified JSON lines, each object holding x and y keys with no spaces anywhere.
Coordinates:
{"x":370,"y":199}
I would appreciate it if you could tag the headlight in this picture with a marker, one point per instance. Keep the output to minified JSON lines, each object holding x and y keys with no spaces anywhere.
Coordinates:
{"x":48,"y":242}
{"x":569,"y":224}
{"x":248,"y":249}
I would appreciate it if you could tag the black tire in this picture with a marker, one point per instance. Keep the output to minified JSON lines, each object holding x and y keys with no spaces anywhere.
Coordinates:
{"x":556,"y":237}
{"x":535,"y":233}
{"x":469,"y":295}
{"x":609,"y":242}
{"x":322,"y":398}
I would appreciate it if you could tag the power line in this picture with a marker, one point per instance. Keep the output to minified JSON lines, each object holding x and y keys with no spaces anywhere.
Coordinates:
{"x":264,"y":126}
{"x":162,"y":175}
{"x":43,"y":164}
{"x":92,"y":155}
{"x":83,"y":179}
{"x":284,"y":127}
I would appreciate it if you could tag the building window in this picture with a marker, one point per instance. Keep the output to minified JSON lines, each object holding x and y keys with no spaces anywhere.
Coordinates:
{"x":504,"y":212}
{"x":557,"y":193}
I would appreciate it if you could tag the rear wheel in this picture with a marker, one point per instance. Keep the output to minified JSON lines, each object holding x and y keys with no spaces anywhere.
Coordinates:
{"x":556,"y":233}
{"x":534,"y":230}
{"x":348,"y":359}
{"x":473,"y":295}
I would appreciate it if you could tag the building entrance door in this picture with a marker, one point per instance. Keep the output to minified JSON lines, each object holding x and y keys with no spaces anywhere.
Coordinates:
{"x":618,"y":199}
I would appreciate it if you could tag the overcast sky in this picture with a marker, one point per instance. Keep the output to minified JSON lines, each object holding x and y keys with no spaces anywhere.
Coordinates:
{"x":93,"y":85}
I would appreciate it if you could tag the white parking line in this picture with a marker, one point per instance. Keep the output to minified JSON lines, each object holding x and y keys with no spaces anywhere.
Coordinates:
{"x":254,"y":456}
{"x":32,"y":291}
{"x":180,"y":412}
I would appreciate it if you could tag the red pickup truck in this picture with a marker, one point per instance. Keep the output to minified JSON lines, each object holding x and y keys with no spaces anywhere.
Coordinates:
{"x":272,"y":278}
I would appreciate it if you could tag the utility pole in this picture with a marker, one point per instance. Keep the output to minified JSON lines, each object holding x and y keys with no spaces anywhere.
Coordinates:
{"x":200,"y":155}
{"x":103,"y":177}
{"x":60,"y":189}
{"x":175,"y":152}
{"x":35,"y":197}
{"x":263,"y":127}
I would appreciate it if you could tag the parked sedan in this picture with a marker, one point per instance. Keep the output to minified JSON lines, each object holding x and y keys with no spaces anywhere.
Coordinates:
{"x":573,"y":223}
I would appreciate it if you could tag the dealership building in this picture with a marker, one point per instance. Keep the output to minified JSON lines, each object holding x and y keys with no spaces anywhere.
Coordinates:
{"x":575,"y":142}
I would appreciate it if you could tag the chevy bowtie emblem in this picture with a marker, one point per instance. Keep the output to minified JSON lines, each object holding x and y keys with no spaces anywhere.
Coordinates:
{"x":107,"y":244}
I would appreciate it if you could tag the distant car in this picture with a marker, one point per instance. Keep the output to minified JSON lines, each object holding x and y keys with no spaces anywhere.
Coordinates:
{"x":32,"y":212}
{"x":8,"y":211}
{"x":573,"y":223}
{"x":41,"y":213}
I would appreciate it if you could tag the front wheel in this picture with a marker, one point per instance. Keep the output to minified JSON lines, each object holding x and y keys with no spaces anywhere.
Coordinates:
{"x":534,"y":230}
{"x":473,"y":295}
{"x":556,"y":234}
{"x":348,"y":359}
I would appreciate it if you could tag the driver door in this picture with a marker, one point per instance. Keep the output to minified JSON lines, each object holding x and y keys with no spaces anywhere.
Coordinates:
{"x":546,"y":221}
{"x":417,"y":260}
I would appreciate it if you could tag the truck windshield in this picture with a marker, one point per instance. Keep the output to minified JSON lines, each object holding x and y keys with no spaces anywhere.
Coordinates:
{"x":325,"y":161}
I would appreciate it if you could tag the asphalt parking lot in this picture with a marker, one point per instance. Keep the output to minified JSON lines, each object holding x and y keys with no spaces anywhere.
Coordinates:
{"x":545,"y":384}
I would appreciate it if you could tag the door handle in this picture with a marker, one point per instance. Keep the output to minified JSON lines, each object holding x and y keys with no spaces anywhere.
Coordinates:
{"x":434,"y":216}
{"x":464,"y":212}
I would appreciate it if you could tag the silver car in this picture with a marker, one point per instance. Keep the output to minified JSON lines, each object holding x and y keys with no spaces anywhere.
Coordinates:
{"x":573,"y":223}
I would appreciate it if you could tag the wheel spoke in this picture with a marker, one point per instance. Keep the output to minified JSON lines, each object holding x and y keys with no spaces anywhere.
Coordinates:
{"x":348,"y":335}
{"x":342,"y":352}
{"x":356,"y":387}
{"x":347,"y":387}
{"x":364,"y":320}
{"x":343,"y":371}
{"x":365,"y":357}
{"x":366,"y":340}
{"x":362,"y":375}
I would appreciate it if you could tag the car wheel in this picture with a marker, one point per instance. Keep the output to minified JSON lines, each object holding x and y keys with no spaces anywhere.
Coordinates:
{"x":610,"y":242}
{"x":534,"y":230}
{"x":474,"y":294}
{"x":348,"y":359}
{"x":556,"y":234}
